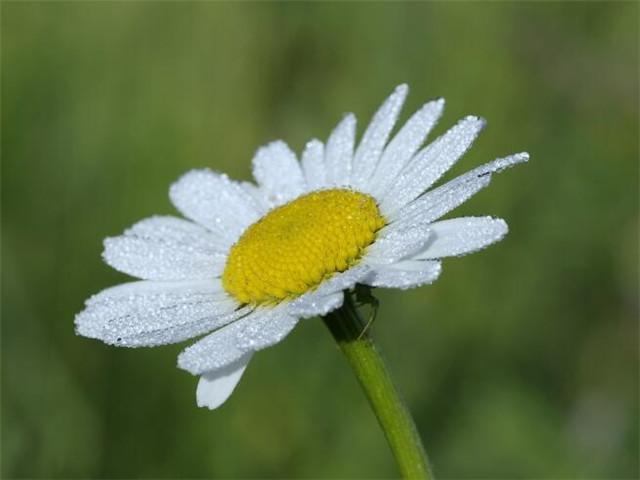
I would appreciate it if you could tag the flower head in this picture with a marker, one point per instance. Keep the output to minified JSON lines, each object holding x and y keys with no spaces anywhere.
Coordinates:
{"x":253,"y":259}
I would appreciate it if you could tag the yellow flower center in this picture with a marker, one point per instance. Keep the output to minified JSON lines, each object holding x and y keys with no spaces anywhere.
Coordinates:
{"x":296,"y":246}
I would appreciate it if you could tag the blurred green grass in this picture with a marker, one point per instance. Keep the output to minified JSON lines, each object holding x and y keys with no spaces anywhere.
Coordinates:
{"x":521,"y":361}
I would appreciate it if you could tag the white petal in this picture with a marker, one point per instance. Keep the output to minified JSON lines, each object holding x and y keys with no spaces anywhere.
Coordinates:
{"x":339,"y":151}
{"x":405,"y":274}
{"x":267,"y":329}
{"x":313,"y":165}
{"x":215,"y":201}
{"x":343,"y":281}
{"x":439,"y":201}
{"x":216,"y":386}
{"x":216,"y":350}
{"x":126,"y":291}
{"x":328,"y":295}
{"x":178,"y":230}
{"x":404,"y":145}
{"x":259,"y":197}
{"x":155,"y":313}
{"x":313,"y":305}
{"x":166,"y":248}
{"x":278,"y":173}
{"x":397,"y":242}
{"x":259,"y":329}
{"x":463,"y":235}
{"x":435,"y":203}
{"x":430,"y":164}
{"x":375,"y":137}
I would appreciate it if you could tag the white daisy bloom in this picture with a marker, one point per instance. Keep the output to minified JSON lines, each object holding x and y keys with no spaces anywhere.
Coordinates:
{"x":251,"y":260}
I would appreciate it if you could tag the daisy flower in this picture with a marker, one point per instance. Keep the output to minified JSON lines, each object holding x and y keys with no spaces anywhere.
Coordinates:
{"x":251,"y":260}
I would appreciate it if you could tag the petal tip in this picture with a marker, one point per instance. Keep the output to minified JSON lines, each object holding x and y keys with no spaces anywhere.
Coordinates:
{"x":401,"y":90}
{"x":436,"y":104}
{"x":475,"y":119}
{"x":313,"y":143}
{"x":503,"y":226}
{"x":349,"y":118}
{"x":107,"y":248}
{"x":276,"y":145}
{"x":437,"y":270}
{"x":175,"y":189}
{"x":183,"y":364}
{"x":500,"y":227}
{"x":84,"y":327}
{"x":216,"y":386}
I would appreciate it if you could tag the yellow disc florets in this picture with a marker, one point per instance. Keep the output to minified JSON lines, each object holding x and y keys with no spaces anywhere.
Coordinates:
{"x":296,"y":246}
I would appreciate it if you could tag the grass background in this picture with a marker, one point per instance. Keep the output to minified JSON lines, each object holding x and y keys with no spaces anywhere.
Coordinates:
{"x":521,"y":361}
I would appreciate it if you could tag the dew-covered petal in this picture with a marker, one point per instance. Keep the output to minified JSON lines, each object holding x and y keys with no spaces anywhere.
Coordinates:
{"x":147,"y":313}
{"x":440,"y":201}
{"x":437,"y":202}
{"x":339,"y":151}
{"x":397,"y":242}
{"x":260,"y":199}
{"x":216,"y":386}
{"x":166,"y":248}
{"x":404,"y":274}
{"x":342,"y":281}
{"x":267,"y":329}
{"x":216,"y":350}
{"x":127,"y":291}
{"x":404,"y":146}
{"x":277,"y":171}
{"x":430,"y":164}
{"x":311,"y":304}
{"x":179,"y":231}
{"x":375,"y":137}
{"x":213,"y":200}
{"x":463,"y":235}
{"x":260,"y":329}
{"x":313,"y":165}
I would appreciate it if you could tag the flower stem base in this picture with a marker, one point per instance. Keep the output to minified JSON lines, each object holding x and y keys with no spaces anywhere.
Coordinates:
{"x":350,"y":332}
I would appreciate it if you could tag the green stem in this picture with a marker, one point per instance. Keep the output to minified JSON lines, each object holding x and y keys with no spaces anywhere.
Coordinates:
{"x":348,"y":328}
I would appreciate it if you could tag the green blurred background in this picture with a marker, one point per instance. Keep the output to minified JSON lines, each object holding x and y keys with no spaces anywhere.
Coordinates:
{"x":521,"y":361}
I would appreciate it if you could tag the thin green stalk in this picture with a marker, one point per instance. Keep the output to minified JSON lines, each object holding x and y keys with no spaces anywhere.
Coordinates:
{"x":349,"y":330}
